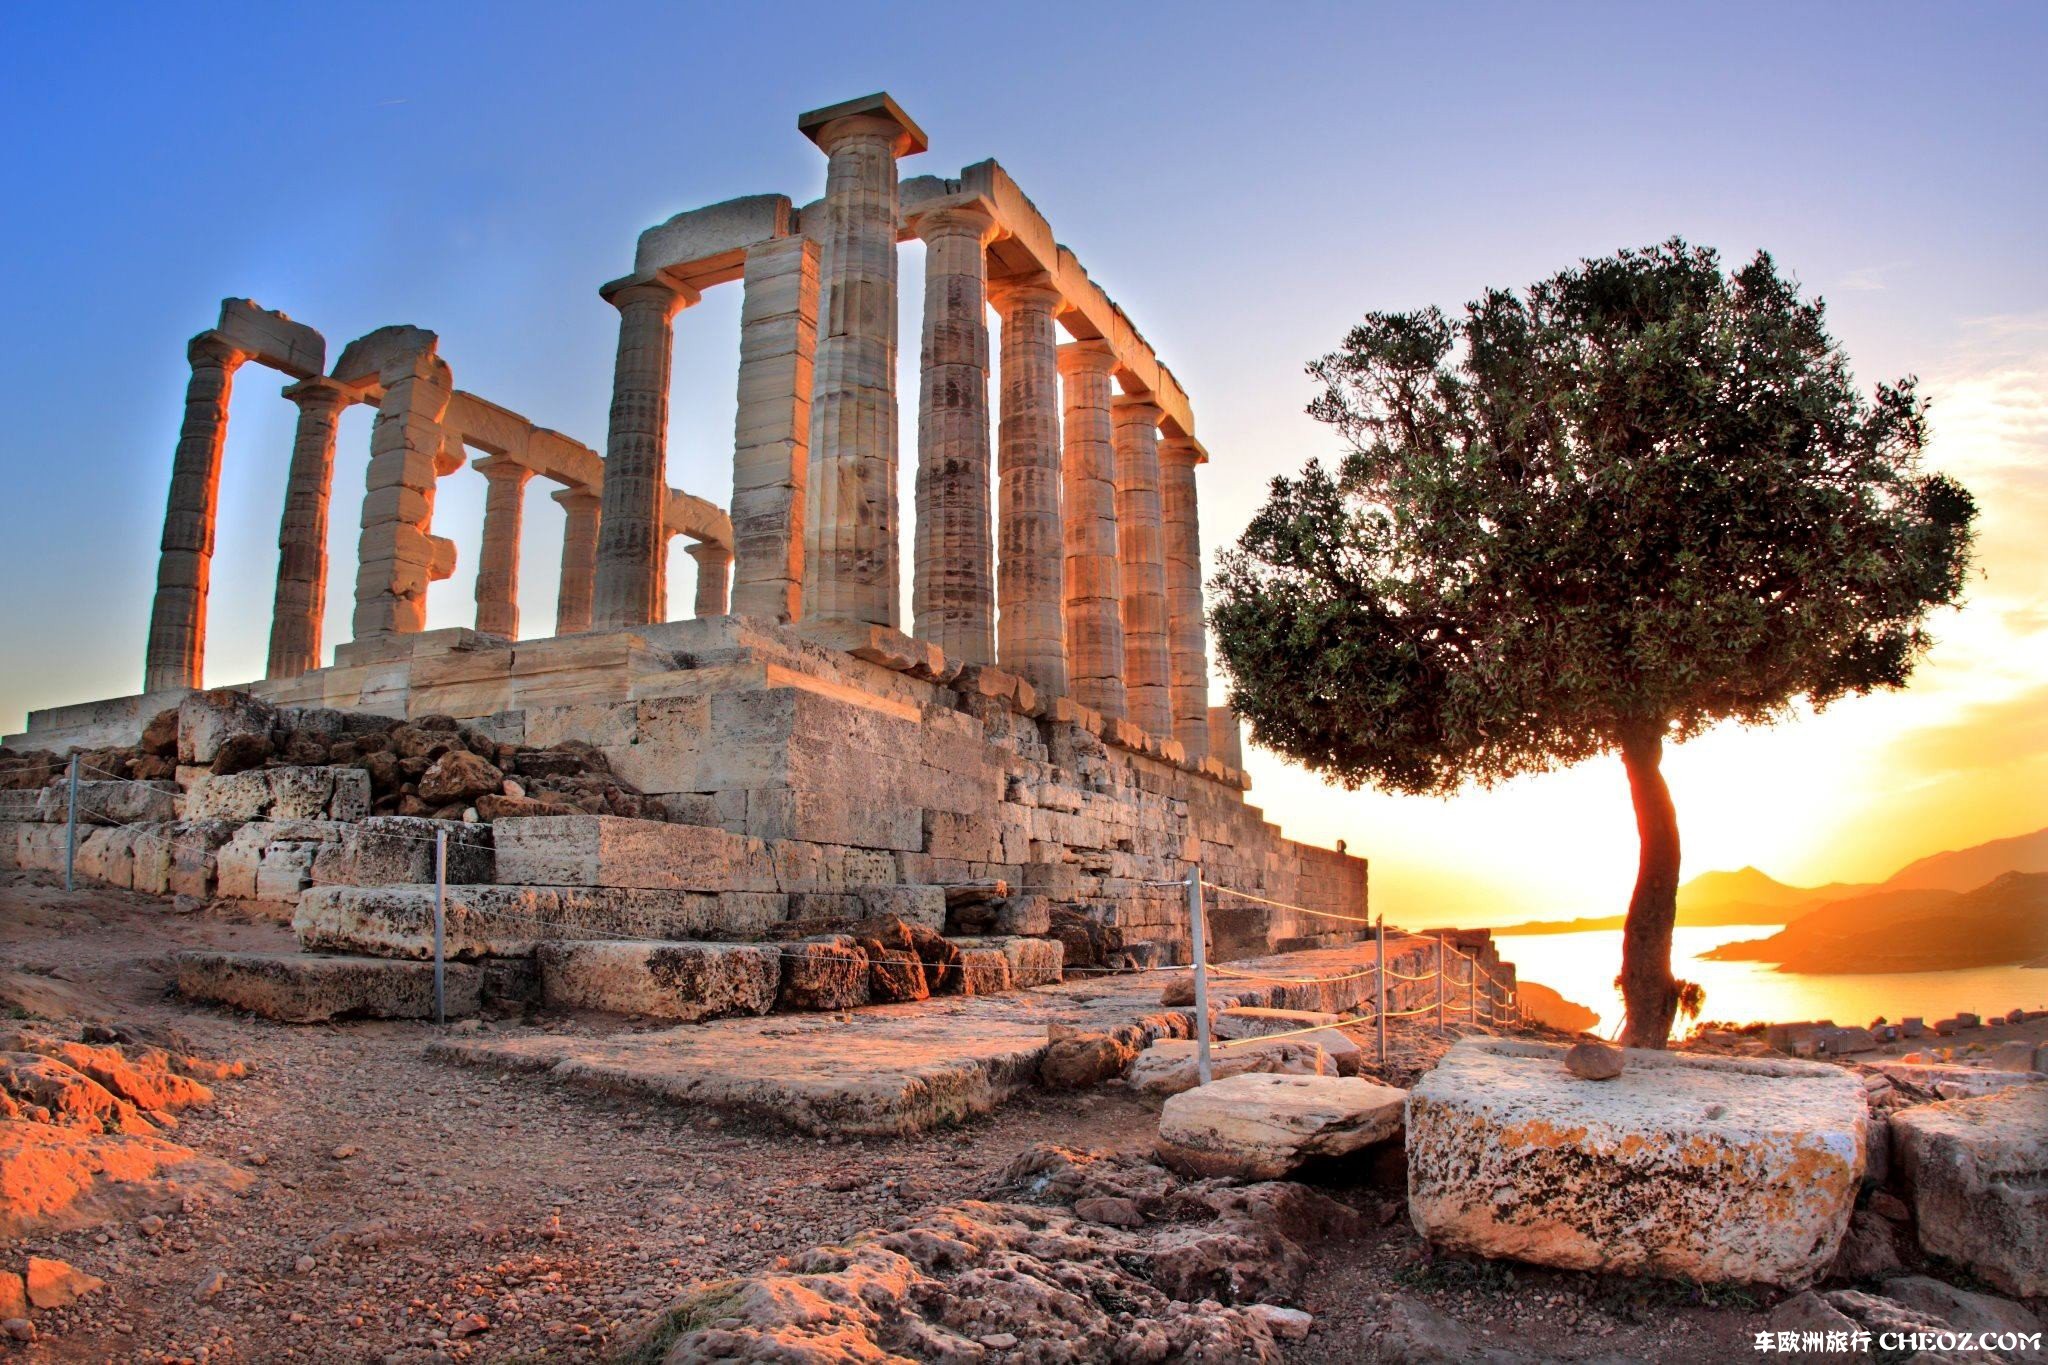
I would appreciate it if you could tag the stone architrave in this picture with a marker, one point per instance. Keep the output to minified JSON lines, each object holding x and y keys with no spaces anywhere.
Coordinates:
{"x":301,"y":601}
{"x":397,"y":554}
{"x":1142,"y":563}
{"x":952,"y":591}
{"x":1186,"y":636}
{"x":714,"y":566}
{"x":850,"y":552}
{"x":1030,"y":572}
{"x":631,"y":538}
{"x":177,"y":620}
{"x":772,"y":427}
{"x":497,"y":570}
{"x":1094,"y":591}
{"x":579,"y":559}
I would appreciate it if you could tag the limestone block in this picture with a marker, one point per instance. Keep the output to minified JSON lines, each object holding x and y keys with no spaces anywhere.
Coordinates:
{"x":286,"y":869}
{"x":685,"y":981}
{"x":116,"y":802}
{"x":369,"y":356}
{"x":510,"y":921}
{"x":386,"y":849}
{"x":1032,"y":961}
{"x":272,"y":338}
{"x":207,"y":720}
{"x":284,"y":793}
{"x":299,"y":988}
{"x":1260,"y":1126}
{"x":1249,"y":1021}
{"x":1707,"y":1168}
{"x":982,"y":971}
{"x":609,"y":850}
{"x":1171,"y":1065}
{"x":924,"y":906}
{"x":1977,"y":1174}
{"x":823,"y":974}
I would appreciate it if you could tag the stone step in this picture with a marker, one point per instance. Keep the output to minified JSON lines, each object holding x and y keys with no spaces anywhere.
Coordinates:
{"x":512,"y":921}
{"x":303,"y":988}
{"x":1030,"y":961}
{"x":687,"y":982}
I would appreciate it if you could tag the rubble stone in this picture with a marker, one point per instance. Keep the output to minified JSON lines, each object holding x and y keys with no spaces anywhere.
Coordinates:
{"x":1260,"y":1126}
{"x":1977,"y":1173}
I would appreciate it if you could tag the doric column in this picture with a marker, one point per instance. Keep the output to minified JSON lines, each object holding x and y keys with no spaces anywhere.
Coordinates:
{"x":1094,"y":592}
{"x":1224,"y":740}
{"x":579,"y":559}
{"x":629,"y":538}
{"x":176,"y":653}
{"x":1186,"y":638}
{"x":301,"y":602}
{"x":1030,"y":626}
{"x":497,"y":567}
{"x":397,"y":554}
{"x":714,"y":563}
{"x":850,"y":554}
{"x":952,"y":593}
{"x":1142,"y":563}
{"x":772,"y":428}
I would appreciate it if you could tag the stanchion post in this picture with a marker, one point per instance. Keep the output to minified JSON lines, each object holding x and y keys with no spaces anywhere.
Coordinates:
{"x":1439,"y":984}
{"x":440,"y":922}
{"x":1201,"y":953}
{"x":1472,"y":990}
{"x":1380,"y":929}
{"x":71,"y":825}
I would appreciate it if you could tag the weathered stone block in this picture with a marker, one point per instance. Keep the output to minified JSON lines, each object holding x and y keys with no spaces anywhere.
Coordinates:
{"x":299,"y":988}
{"x":207,"y":720}
{"x":823,"y":974}
{"x":511,"y":921}
{"x":1707,"y":1168}
{"x":1977,"y":1174}
{"x":1172,"y":1065}
{"x":1260,"y":1126}
{"x":607,"y":850}
{"x":1032,"y":961}
{"x":685,"y":981}
{"x":285,"y":793}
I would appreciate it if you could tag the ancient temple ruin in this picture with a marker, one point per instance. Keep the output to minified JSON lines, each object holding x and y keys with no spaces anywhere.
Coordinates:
{"x":1042,"y":723}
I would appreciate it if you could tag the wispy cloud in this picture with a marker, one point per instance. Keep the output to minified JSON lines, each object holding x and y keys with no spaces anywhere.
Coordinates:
{"x":1870,"y":278}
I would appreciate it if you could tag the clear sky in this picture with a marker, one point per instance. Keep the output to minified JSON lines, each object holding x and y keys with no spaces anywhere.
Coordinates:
{"x":1245,"y":180}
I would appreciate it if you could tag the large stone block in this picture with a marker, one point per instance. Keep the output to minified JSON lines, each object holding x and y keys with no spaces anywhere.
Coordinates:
{"x":286,"y":793}
{"x":511,"y":921}
{"x":300,"y":988}
{"x":1171,"y":1065}
{"x":1977,"y":1172}
{"x":609,"y":850}
{"x":1032,"y":961}
{"x":1260,"y":1126}
{"x":103,"y":802}
{"x":685,"y":981}
{"x":388,"y":849}
{"x":823,"y":974}
{"x":208,"y":720}
{"x":1705,"y":1168}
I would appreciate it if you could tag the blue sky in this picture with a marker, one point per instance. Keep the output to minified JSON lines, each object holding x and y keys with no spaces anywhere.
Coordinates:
{"x":1244,"y":180}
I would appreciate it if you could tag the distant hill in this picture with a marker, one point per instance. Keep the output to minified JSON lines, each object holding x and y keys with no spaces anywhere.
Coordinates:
{"x":1966,"y":868}
{"x":1911,"y":929}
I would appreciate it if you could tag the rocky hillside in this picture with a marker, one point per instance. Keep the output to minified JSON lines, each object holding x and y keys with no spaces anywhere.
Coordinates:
{"x":2003,"y":921}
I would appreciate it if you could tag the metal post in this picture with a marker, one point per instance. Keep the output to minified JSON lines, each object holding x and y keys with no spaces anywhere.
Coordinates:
{"x":1472,"y":991}
{"x":1201,"y":954}
{"x":71,"y":826}
{"x":1380,"y":928}
{"x":440,"y":920}
{"x":1439,"y":985}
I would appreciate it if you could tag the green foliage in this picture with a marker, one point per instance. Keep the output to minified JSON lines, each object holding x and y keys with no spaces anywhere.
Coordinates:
{"x":1642,"y":498}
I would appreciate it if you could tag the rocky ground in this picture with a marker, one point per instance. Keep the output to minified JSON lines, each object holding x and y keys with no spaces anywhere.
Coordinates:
{"x":400,"y":1208}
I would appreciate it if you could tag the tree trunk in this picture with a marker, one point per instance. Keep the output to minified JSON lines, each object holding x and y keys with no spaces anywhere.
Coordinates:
{"x":1647,"y":987}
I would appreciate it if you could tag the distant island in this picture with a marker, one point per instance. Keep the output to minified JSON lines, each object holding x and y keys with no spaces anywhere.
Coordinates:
{"x":1982,"y":906}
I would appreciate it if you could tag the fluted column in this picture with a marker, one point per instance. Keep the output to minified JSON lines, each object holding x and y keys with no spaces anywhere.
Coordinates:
{"x":579,"y":559}
{"x":714,"y":565}
{"x":952,"y":593}
{"x":176,"y":653}
{"x":1094,"y":593}
{"x":771,"y":457}
{"x":497,"y":568}
{"x":301,"y":602}
{"x":1186,"y":638}
{"x":629,"y":539}
{"x":1224,"y":740}
{"x":1030,"y":624}
{"x":1142,"y":563}
{"x":850,"y":526}
{"x":397,"y":553}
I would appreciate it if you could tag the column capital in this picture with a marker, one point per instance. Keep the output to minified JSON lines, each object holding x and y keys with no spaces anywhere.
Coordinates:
{"x":1087,"y":357}
{"x":954,"y":220}
{"x":577,"y":497}
{"x":1019,"y":292}
{"x":1136,"y":407}
{"x":502,"y":469}
{"x":870,"y":116}
{"x":1182,"y":450}
{"x":655,"y":287}
{"x":709,"y":551}
{"x":212,"y":348}
{"x":320,"y":391}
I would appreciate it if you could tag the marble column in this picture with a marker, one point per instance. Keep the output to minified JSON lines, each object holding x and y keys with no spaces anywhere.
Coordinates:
{"x":630,"y":540}
{"x":1094,"y":592}
{"x":397,"y":554}
{"x":579,"y":559}
{"x":1225,"y":742}
{"x":1186,"y":634}
{"x":1142,"y":564}
{"x":301,"y":603}
{"x":952,"y":592}
{"x":772,"y":427}
{"x":176,"y":652}
{"x":850,"y":524}
{"x":1030,"y":624}
{"x":714,"y":565}
{"x":497,"y":568}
